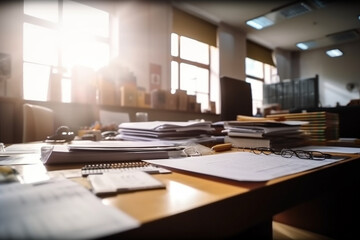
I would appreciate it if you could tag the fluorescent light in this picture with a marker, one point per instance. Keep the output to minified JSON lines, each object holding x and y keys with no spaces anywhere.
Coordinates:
{"x":334,"y":53}
{"x":260,"y":22}
{"x":307,"y":45}
{"x":302,"y":46}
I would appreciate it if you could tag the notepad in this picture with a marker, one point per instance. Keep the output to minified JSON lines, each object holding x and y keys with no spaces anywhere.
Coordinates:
{"x":100,"y":168}
{"x":108,"y":183}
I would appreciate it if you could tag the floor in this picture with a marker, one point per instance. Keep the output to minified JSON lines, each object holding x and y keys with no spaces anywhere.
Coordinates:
{"x":286,"y":232}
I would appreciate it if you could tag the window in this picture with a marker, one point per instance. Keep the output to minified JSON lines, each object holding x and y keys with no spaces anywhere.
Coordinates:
{"x":190,"y":68}
{"x":58,"y":36}
{"x":258,"y":74}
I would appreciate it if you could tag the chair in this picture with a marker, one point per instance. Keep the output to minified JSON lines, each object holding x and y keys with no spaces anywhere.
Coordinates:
{"x":38,"y":122}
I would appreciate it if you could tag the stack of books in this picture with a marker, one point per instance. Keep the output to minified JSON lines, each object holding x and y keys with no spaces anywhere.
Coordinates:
{"x":322,"y":127}
{"x":266,"y":133}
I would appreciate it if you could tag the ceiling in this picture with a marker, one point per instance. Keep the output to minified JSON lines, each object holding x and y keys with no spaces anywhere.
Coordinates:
{"x":337,"y":16}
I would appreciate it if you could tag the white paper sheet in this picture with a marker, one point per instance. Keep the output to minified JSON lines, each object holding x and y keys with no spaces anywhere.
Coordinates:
{"x":331,"y":149}
{"x":242,"y":166}
{"x":57,"y":210}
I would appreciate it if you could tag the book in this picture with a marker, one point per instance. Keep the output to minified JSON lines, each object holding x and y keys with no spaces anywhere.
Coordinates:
{"x":322,"y":126}
{"x":108,"y":182}
{"x":276,"y":143}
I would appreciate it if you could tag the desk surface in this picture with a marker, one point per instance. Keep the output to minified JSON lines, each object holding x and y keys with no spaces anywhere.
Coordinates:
{"x":194,"y":205}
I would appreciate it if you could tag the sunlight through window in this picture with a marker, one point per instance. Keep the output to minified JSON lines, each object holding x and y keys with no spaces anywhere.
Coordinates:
{"x":80,"y":37}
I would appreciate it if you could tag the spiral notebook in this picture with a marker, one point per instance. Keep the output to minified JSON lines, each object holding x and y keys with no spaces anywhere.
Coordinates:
{"x":101,"y":168}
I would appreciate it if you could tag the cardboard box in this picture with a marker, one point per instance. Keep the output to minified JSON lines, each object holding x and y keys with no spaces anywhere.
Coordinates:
{"x":171,"y":101}
{"x":182,"y":100}
{"x":143,"y":98}
{"x":106,"y":92}
{"x":212,"y":107}
{"x":158,"y":99}
{"x":197,"y":107}
{"x":191,"y":103}
{"x":128,"y":96}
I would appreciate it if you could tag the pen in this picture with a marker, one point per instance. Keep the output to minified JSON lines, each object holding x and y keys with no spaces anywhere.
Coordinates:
{"x":222,"y":147}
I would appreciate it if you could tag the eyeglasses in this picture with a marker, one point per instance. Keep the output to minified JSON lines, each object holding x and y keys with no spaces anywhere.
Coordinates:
{"x":288,"y":153}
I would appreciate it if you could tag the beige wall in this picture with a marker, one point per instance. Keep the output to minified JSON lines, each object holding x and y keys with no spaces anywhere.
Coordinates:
{"x":334,"y":73}
{"x":11,"y":43}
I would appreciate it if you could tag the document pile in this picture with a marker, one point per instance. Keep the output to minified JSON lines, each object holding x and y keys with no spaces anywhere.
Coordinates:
{"x":166,"y":131}
{"x":106,"y":151}
{"x":269,"y":133}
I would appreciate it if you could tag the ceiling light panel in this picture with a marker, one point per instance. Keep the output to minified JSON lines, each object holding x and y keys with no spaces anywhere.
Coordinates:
{"x":279,"y":14}
{"x":334,"y":53}
{"x":260,"y":22}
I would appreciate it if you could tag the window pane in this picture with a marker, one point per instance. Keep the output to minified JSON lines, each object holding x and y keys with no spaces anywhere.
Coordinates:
{"x":204,"y":100}
{"x":194,"y":79}
{"x":194,"y":50}
{"x":254,"y":68}
{"x":174,"y":76}
{"x":79,"y":50}
{"x":81,"y":18}
{"x":35,"y":81}
{"x":257,"y":93}
{"x":174,"y":45}
{"x":40,"y":45}
{"x":47,"y":10}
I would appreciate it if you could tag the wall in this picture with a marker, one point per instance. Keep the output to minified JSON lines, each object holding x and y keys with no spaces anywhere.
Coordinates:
{"x":232,"y":51}
{"x":334,"y":73}
{"x":11,"y":13}
{"x":144,"y":38}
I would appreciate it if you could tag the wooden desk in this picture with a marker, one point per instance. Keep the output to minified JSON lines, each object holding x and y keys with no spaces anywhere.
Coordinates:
{"x":197,"y":206}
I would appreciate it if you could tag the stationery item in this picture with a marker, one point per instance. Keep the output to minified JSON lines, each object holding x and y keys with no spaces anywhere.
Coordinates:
{"x":277,"y":143}
{"x":21,"y":153}
{"x":126,"y":181}
{"x":242,"y":166}
{"x":269,"y":133}
{"x":222,"y":147}
{"x":164,"y":130}
{"x":106,"y":151}
{"x":8,"y":174}
{"x":321,"y":127}
{"x":93,"y":169}
{"x":57,"y":209}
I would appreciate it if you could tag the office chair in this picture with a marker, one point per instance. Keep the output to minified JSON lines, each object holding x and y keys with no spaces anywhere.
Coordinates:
{"x":38,"y":122}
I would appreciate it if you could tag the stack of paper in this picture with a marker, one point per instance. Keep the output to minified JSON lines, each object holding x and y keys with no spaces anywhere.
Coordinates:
{"x":323,"y":126}
{"x":270,"y":134}
{"x":165,"y":130}
{"x":106,"y":151}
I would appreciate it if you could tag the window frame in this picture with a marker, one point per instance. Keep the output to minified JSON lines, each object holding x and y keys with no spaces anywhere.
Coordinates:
{"x":273,"y":78}
{"x":180,"y":60}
